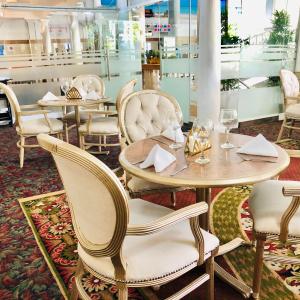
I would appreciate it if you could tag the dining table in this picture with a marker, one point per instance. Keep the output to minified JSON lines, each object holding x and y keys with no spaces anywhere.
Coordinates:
{"x":63,"y":101}
{"x":226,"y":168}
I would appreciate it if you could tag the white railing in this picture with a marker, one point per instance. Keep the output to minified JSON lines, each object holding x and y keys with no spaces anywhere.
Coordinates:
{"x":33,"y":75}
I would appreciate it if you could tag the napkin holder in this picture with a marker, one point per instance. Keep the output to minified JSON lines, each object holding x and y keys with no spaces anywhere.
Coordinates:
{"x":193,"y":147}
{"x":73,"y":94}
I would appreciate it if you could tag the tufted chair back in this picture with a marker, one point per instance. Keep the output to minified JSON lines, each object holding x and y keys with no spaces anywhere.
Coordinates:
{"x":90,"y":82}
{"x":13,"y":101}
{"x":290,"y":84}
{"x":147,"y":113}
{"x":97,"y":199}
{"x":124,"y":92}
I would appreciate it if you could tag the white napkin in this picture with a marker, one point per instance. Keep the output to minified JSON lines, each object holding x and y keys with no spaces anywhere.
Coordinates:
{"x":158,"y":157}
{"x":92,"y":96}
{"x":175,"y":135}
{"x":82,"y":93}
{"x":259,"y":146}
{"x":50,"y":97}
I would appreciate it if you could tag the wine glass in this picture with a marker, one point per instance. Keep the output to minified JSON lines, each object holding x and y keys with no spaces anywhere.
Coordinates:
{"x":202,"y":129}
{"x":174,"y":124}
{"x":65,"y":84}
{"x":229,"y":118}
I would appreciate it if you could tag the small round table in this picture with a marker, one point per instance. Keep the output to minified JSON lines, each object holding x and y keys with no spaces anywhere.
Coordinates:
{"x":226,"y":168}
{"x":63,"y":101}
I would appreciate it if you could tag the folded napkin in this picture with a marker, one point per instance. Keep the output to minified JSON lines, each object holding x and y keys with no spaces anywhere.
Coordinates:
{"x":259,"y":146}
{"x":82,"y":93}
{"x":158,"y":157}
{"x":92,"y":96}
{"x":50,"y":97}
{"x":175,"y":135}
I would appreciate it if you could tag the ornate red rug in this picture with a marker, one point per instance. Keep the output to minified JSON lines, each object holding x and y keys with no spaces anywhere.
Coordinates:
{"x":49,"y":218}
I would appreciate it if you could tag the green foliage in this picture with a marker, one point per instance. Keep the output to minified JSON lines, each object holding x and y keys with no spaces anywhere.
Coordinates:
{"x":151,"y":54}
{"x":281,"y":33}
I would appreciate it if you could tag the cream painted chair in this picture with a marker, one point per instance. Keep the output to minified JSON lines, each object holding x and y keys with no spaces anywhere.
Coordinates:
{"x":274,"y":206}
{"x":114,"y":233}
{"x":104,"y":123}
{"x":30,"y":128}
{"x":144,"y":114}
{"x":86,"y":83}
{"x":291,"y":92}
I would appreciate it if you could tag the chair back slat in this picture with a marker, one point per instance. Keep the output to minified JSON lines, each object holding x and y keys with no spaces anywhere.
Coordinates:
{"x":97,"y":199}
{"x":290,"y":83}
{"x":147,"y":113}
{"x":13,"y":101}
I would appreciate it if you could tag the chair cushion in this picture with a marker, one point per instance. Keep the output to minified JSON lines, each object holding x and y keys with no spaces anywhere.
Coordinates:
{"x":155,"y":255}
{"x":267,"y":205}
{"x":107,"y":125}
{"x":70,"y":116}
{"x":136,"y":185}
{"x":293,"y":111}
{"x":37,"y":126}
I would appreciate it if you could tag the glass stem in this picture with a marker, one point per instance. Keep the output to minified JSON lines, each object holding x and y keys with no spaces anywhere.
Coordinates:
{"x":227,"y":135}
{"x":202,"y":151}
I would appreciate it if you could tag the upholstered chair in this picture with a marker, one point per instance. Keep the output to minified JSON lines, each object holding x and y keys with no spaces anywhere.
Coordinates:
{"x":30,"y":128}
{"x":84,"y":83}
{"x":274,"y":206}
{"x":129,"y":243}
{"x":291,"y":92}
{"x":104,"y":123}
{"x":144,"y":114}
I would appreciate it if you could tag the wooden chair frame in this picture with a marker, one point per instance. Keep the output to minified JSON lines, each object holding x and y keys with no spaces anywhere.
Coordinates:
{"x":261,"y":237}
{"x":98,"y":106}
{"x":288,"y":121}
{"x":114,"y":248}
{"x":26,"y":110}
{"x":107,"y":113}
{"x":126,"y":140}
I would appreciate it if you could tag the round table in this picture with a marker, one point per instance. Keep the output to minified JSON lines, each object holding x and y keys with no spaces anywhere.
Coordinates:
{"x":226,"y":168}
{"x":63,"y":102}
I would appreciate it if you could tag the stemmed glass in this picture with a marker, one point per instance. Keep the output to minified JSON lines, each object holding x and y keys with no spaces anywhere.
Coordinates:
{"x":202,"y":129}
{"x":65,"y":84}
{"x":175,"y":125}
{"x":229,"y":118}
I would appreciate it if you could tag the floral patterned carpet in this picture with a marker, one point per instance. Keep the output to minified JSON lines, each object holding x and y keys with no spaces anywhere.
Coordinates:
{"x":24,"y":273}
{"x":280,"y":281}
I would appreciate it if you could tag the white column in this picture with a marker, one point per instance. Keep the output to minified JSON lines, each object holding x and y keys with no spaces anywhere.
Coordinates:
{"x":209,"y":66}
{"x":46,"y":36}
{"x":174,"y":7}
{"x":123,"y":13}
{"x":76,"y":42}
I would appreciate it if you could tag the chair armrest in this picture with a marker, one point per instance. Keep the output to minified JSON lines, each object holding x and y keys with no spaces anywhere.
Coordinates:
{"x":291,"y":191}
{"x":290,"y":211}
{"x":295,"y":98}
{"x":100,"y":112}
{"x":29,"y":106}
{"x":33,"y":112}
{"x":38,"y":112}
{"x":168,"y":220}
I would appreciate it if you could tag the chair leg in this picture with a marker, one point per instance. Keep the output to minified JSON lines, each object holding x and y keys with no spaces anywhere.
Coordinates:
{"x":66,"y":131}
{"x":210,"y":270}
{"x":81,"y":142}
{"x":100,"y":141}
{"x":123,"y":293}
{"x":281,"y":130}
{"x":258,"y":264}
{"x":290,"y":130}
{"x":74,"y":292}
{"x":173,"y":199}
{"x":22,"y":143}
